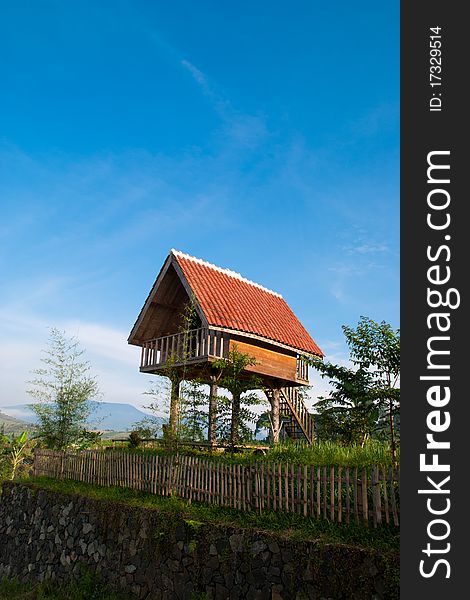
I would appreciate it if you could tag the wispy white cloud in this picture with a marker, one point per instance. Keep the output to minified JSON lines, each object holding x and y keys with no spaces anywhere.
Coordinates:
{"x":367,"y":248}
{"x":246,"y":131}
{"x":352,"y":269}
{"x":357,"y":259}
{"x":376,"y":120}
{"x":198,"y":75}
{"x":335,"y":353}
{"x":241,"y":130}
{"x":28,"y":293}
{"x":106,"y":203}
{"x":24,"y":337}
{"x":104,"y":342}
{"x":345,"y":273}
{"x":337,"y":290}
{"x":221,"y":105}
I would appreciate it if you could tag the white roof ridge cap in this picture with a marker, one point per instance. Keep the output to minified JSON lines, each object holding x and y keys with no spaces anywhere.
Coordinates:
{"x":228,"y":272}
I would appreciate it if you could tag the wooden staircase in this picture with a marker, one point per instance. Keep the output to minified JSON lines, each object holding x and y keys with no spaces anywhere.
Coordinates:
{"x":298,"y":422}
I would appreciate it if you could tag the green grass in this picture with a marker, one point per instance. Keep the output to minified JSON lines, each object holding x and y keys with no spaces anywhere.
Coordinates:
{"x":282,"y":524}
{"x":88,"y":587}
{"x":319,"y":454}
{"x":329,"y":453}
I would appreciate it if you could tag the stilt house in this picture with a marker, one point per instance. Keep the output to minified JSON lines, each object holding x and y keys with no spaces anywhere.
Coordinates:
{"x":229,"y":311}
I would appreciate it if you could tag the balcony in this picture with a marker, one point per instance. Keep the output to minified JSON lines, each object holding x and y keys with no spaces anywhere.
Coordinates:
{"x":196,"y":345}
{"x":302,"y":370}
{"x":203,"y":345}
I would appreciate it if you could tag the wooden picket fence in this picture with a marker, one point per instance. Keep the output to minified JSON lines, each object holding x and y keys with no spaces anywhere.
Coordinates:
{"x":340,"y":494}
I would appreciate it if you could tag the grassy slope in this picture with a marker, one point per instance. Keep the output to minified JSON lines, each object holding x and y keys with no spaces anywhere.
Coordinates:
{"x":13,"y":425}
{"x":86,"y":588}
{"x":319,"y":454}
{"x":286,"y":525}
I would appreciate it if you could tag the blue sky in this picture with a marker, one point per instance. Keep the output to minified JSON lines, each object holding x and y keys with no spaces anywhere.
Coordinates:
{"x":261,"y":136}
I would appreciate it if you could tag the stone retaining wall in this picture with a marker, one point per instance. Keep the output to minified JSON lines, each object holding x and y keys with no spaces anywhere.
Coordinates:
{"x":154,"y":556}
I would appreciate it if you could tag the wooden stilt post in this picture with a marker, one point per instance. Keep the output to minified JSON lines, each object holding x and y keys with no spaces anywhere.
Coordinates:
{"x":174,"y":407}
{"x":275,"y":414}
{"x":213,"y":391}
{"x":234,"y":427}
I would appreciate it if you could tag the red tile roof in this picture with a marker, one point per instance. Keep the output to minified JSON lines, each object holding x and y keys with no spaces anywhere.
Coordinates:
{"x":230,"y":301}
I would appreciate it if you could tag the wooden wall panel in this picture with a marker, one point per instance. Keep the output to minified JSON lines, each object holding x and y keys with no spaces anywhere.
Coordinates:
{"x":270,"y":362}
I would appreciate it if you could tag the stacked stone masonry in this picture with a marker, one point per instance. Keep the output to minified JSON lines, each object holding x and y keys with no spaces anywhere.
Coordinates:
{"x":148,"y":555}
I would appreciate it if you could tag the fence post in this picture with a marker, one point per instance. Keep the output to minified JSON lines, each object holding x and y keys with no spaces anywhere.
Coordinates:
{"x":283,"y":487}
{"x":365,"y":505}
{"x":376,"y":496}
{"x":249,"y":488}
{"x":34,"y":470}
{"x":255,"y":473}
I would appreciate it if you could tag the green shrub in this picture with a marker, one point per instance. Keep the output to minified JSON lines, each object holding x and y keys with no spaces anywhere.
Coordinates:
{"x":134,"y":440}
{"x":87,"y":587}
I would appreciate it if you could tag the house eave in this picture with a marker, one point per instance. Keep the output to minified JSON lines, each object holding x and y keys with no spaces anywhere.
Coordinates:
{"x":266,"y":340}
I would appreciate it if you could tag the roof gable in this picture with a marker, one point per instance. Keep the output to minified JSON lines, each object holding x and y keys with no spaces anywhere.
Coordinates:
{"x":225,"y":299}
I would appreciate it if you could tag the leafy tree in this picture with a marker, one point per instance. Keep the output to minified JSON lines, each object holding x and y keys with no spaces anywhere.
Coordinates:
{"x":18,"y":450}
{"x":159,"y":391}
{"x":193,"y":413}
{"x":64,"y":389}
{"x":134,"y":440}
{"x":192,"y":417}
{"x":246,"y":416}
{"x":188,"y":417}
{"x":348,"y":415}
{"x":364,"y":397}
{"x":4,"y":451}
{"x":189,"y":320}
{"x":175,"y":367}
{"x":263,"y":422}
{"x":15,"y":452}
{"x":235,"y":379}
{"x":149,"y":427}
{"x":376,"y":347}
{"x":89,"y":439}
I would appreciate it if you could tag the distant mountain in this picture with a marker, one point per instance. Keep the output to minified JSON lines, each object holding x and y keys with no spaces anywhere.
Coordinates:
{"x":12,"y":425}
{"x":109,"y":416}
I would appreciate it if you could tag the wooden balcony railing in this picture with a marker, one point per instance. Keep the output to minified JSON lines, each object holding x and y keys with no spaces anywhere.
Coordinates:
{"x":302,"y":368}
{"x":184,"y":347}
{"x":293,"y":406}
{"x":300,"y":425}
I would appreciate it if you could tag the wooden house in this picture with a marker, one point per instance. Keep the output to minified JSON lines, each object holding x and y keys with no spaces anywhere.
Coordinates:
{"x":229,"y":311}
